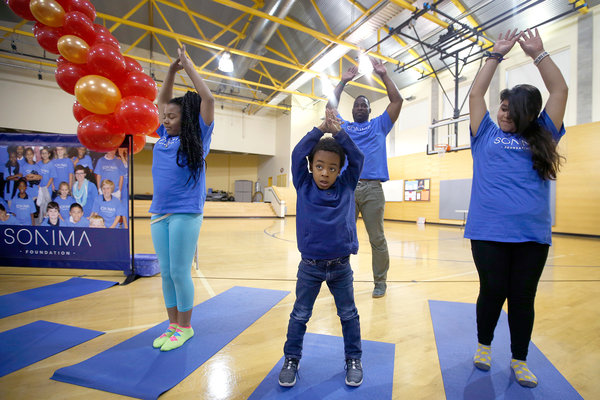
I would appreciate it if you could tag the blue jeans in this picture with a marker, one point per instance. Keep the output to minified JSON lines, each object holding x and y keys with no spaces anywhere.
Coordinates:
{"x":338,"y":275}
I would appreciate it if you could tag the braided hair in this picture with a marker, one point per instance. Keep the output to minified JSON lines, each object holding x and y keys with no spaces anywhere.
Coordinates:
{"x":524,"y":106}
{"x":191,"y":151}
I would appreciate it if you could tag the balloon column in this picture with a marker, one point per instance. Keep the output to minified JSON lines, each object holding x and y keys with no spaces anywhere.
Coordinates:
{"x":114,"y":97}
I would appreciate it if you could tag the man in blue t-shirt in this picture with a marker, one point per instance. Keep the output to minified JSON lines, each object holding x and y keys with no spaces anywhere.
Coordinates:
{"x":369,"y":136}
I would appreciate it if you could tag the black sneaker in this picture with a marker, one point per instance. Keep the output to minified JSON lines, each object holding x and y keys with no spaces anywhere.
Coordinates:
{"x":287,"y":376}
{"x":354,"y":372}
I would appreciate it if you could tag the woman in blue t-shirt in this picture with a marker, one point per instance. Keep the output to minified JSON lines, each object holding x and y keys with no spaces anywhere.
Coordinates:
{"x":179,"y":192}
{"x":84,"y":191}
{"x":509,"y":220}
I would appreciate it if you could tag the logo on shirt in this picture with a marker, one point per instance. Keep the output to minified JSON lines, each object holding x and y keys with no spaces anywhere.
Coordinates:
{"x":512,"y":143}
{"x":166,"y":141}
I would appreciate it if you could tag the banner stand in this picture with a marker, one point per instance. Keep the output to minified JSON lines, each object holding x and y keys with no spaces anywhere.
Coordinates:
{"x":132,"y":276}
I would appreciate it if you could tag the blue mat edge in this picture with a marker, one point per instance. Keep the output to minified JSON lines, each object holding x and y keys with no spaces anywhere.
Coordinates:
{"x":57,"y":376}
{"x":91,"y":332}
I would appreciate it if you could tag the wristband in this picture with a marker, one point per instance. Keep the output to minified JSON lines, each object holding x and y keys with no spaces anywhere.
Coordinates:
{"x":540,"y":57}
{"x":496,"y":56}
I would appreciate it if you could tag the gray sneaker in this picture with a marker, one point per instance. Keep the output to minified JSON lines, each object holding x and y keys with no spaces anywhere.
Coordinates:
{"x":379,"y":290}
{"x":287,"y":376}
{"x":354,"y":372}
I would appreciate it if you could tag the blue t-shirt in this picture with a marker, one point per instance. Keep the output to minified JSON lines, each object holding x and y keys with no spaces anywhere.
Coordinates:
{"x":46,"y":222}
{"x":109,"y":210}
{"x":22,"y":208}
{"x":10,"y":221}
{"x":370,"y":137}
{"x":325,"y":219}
{"x":173,"y":193}
{"x":86,"y":161}
{"x":110,"y":169}
{"x":26,"y":169}
{"x":509,"y":200}
{"x":82,"y":223}
{"x":63,"y":167}
{"x":65,"y":205}
{"x":47,"y":171}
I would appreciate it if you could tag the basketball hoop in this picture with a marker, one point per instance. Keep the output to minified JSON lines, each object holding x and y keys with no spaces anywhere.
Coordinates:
{"x":441,"y":149}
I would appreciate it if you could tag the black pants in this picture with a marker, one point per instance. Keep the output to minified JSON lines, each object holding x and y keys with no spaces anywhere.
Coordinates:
{"x":508,"y":271}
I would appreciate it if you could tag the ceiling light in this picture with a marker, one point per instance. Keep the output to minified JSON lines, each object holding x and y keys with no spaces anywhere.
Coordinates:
{"x":365,"y":67}
{"x":225,"y":63}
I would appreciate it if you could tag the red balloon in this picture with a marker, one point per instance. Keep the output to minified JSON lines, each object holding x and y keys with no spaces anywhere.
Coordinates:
{"x":100,"y":28}
{"x":78,"y":24}
{"x":21,"y":8}
{"x":99,"y":133}
{"x":107,"y":61}
{"x":138,"y":84}
{"x":137,"y":115}
{"x":138,"y":143}
{"x":67,"y":74}
{"x":85,"y":7}
{"x":133,"y":65}
{"x":103,"y":36}
{"x":79,"y":112}
{"x":107,"y":38}
{"x":47,"y":36}
{"x":65,"y":4}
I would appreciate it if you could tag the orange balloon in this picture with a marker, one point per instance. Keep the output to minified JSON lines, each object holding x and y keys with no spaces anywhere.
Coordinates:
{"x":73,"y":48}
{"x":48,"y":12}
{"x":97,"y":94}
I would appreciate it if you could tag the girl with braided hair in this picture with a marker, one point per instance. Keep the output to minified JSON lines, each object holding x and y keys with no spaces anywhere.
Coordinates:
{"x":178,"y":173}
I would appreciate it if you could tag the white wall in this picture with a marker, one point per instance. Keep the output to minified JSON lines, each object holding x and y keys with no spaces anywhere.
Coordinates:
{"x":30,"y":104}
{"x":238,"y":132}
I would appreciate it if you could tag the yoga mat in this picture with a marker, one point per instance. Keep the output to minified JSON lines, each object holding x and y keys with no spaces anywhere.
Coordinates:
{"x":134,"y":368}
{"x":33,"y":342}
{"x":321,"y":373}
{"x":26,"y":300}
{"x":455,"y":329}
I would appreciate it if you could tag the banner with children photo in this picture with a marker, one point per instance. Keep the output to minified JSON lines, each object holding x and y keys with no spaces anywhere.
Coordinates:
{"x":54,"y":195}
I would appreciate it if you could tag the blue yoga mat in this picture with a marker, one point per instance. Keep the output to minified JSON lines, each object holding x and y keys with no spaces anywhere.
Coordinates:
{"x":133,"y":368}
{"x":33,"y":342}
{"x":321,"y":373}
{"x":455,"y":329}
{"x":31,"y":299}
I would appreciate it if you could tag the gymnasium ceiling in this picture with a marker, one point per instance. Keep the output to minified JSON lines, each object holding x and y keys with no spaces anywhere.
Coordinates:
{"x":280,"y":47}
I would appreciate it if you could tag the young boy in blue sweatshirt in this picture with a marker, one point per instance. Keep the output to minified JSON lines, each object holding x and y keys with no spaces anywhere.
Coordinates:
{"x":326,"y":233}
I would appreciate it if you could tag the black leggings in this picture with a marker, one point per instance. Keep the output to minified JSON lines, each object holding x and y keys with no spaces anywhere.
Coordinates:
{"x":508,"y":271}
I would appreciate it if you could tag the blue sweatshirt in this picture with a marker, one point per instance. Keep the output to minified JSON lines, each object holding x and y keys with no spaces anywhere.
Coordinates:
{"x":325,"y":220}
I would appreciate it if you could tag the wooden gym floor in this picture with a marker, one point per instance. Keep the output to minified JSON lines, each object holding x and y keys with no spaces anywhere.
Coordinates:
{"x":430,"y":262}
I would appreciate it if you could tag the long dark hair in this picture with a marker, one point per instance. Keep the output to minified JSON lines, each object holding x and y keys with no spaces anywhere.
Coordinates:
{"x":524,"y":106}
{"x":191,"y":151}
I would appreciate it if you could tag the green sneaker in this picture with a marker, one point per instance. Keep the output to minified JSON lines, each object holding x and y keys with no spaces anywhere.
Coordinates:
{"x":159,"y":341}
{"x":178,"y":338}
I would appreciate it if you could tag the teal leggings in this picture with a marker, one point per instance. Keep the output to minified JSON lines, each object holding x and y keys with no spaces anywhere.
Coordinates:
{"x":175,"y":237}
